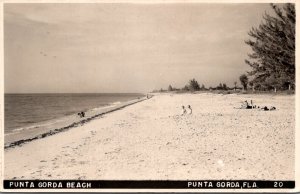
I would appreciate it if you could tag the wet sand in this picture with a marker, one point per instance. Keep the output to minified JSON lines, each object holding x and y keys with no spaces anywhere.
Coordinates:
{"x":149,"y":140}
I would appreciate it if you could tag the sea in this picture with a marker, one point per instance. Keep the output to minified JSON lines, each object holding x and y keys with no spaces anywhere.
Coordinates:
{"x":23,"y":111}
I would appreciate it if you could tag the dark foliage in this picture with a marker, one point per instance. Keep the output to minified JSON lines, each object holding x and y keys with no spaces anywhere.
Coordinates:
{"x":244,"y":81}
{"x":273,"y":46}
{"x":193,"y":85}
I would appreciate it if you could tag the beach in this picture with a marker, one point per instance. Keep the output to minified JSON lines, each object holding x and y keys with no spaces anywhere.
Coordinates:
{"x":34,"y":116}
{"x":150,"y":140}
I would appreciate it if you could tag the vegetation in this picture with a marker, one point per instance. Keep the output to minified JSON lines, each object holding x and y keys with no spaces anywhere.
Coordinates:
{"x":244,"y":81}
{"x":273,"y":46}
{"x":221,"y":86}
{"x":185,"y":88}
{"x":193,"y":85}
{"x":272,"y":60}
{"x":251,"y":84}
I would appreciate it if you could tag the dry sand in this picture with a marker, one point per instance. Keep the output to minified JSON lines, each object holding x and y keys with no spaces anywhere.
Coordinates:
{"x":149,"y":140}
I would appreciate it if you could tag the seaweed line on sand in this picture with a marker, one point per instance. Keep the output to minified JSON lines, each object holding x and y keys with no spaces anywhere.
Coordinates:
{"x":75,"y":124}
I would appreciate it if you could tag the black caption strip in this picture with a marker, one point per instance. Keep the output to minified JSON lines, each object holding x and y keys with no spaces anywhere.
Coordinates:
{"x":129,"y":184}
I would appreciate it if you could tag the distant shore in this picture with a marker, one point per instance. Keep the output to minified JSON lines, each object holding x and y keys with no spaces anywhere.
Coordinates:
{"x":285,"y":92}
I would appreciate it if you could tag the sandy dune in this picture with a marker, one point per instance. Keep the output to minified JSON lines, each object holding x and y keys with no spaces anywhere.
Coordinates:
{"x":149,"y":140}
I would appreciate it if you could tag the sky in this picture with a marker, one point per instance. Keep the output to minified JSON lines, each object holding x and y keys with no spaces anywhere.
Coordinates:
{"x":124,"y":47}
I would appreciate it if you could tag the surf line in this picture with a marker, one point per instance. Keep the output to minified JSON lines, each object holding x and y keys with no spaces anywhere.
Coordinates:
{"x":75,"y":124}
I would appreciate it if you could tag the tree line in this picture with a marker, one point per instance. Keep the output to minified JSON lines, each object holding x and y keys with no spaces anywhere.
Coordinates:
{"x":193,"y":85}
{"x":272,"y":60}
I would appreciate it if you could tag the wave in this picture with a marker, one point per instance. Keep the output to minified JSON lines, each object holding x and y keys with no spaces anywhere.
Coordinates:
{"x":110,"y":105}
{"x":115,"y":103}
{"x":36,"y":125}
{"x":27,"y":122}
{"x":18,"y":130}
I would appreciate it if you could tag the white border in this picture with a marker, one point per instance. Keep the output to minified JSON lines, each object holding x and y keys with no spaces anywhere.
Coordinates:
{"x":297,"y":103}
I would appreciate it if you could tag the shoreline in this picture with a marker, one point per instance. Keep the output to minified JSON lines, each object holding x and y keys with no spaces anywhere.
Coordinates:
{"x":105,"y":110}
{"x":152,"y":140}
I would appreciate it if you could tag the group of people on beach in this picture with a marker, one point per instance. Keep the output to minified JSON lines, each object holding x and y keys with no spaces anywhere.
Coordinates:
{"x":186,"y":111}
{"x":81,"y":114}
{"x":247,"y":105}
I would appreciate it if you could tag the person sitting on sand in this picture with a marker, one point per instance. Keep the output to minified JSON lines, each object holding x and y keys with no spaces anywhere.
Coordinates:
{"x":190,"y":111}
{"x":251,"y":106}
{"x":183,"y":110}
{"x":245,"y":105}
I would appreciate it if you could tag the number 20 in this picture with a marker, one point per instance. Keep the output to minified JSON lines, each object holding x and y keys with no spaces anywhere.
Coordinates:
{"x":278,"y":184}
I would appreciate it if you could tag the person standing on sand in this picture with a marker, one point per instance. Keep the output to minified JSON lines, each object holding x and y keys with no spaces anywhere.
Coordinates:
{"x":190,"y":111}
{"x":183,"y":111}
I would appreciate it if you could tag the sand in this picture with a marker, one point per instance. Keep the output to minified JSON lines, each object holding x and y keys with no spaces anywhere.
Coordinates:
{"x":149,"y":140}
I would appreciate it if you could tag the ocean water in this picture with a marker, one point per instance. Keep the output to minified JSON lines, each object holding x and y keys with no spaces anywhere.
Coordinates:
{"x":26,"y":110}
